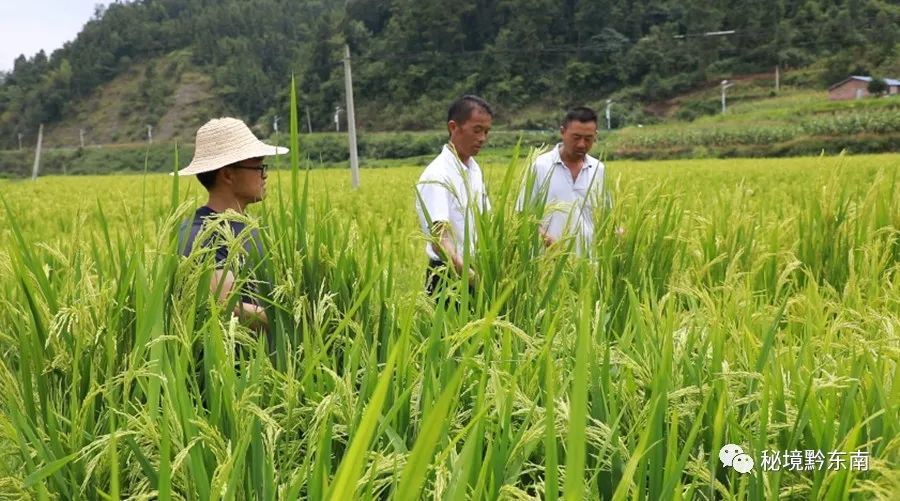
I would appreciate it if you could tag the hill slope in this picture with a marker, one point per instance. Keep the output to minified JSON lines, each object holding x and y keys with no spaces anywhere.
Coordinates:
{"x":760,"y":122}
{"x":164,"y":92}
{"x":795,"y":122}
{"x":141,"y":62}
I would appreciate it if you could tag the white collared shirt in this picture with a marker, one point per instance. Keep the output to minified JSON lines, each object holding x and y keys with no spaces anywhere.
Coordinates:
{"x":568,"y":203}
{"x":450,"y":191}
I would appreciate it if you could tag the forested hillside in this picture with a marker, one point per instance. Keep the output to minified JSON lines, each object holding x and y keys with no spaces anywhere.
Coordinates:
{"x":410,"y":56}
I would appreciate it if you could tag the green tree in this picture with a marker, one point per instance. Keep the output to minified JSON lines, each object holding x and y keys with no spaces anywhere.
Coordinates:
{"x":877,"y":86}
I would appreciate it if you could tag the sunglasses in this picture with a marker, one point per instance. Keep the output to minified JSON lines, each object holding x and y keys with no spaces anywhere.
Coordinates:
{"x":262,"y":168}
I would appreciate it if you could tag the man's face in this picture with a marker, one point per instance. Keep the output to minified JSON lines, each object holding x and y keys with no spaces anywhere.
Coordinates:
{"x":468,"y":137}
{"x":248,"y":180}
{"x":578,"y":137}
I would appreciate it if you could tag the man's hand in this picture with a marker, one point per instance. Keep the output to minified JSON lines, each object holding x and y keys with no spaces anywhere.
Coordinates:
{"x":473,"y":278}
{"x":250,"y":314}
{"x":546,"y":238}
{"x":446,"y":247}
{"x":253,"y":316}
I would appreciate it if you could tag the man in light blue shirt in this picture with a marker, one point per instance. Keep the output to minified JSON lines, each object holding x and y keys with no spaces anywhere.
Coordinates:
{"x":451,"y":191}
{"x":567,"y":184}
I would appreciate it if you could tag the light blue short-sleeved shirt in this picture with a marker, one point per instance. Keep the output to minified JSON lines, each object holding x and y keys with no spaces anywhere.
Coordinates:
{"x":569,"y":203}
{"x":450,"y":191}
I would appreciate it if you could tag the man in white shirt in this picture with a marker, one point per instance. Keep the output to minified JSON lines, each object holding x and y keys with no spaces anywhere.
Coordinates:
{"x":451,"y":191}
{"x":565,"y":184}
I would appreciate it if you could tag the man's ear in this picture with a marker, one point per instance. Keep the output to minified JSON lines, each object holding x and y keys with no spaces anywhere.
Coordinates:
{"x":452,"y":126}
{"x":225,"y":176}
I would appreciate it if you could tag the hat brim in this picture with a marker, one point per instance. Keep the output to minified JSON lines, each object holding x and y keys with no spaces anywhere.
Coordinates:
{"x":252,"y":151}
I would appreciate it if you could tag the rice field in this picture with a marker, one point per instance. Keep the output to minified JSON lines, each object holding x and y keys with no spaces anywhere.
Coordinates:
{"x":715,"y":134}
{"x":749,"y":302}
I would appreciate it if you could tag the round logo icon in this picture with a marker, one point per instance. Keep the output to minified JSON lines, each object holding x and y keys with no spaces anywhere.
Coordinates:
{"x":728,"y":452}
{"x":742,"y":463}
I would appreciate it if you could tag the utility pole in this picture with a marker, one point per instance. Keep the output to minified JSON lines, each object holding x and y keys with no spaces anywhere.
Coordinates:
{"x":150,"y":134}
{"x":725,"y":85}
{"x":609,"y":103}
{"x":37,"y":153}
{"x":337,"y":118}
{"x":81,"y":137}
{"x":777,"y":79}
{"x":20,"y":141}
{"x":351,"y":119}
{"x":275,"y":128}
{"x":308,"y":121}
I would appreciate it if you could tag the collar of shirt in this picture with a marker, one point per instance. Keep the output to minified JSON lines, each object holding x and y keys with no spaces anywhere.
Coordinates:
{"x":449,"y":149}
{"x":557,"y":158}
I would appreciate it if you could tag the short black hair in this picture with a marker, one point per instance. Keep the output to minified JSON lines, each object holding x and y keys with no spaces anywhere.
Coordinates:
{"x":462,"y":108}
{"x":579,"y":114}
{"x":208,"y":178}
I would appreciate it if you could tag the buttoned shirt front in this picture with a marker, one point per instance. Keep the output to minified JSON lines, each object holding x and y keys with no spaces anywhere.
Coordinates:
{"x":451,"y":191}
{"x":568,"y":202}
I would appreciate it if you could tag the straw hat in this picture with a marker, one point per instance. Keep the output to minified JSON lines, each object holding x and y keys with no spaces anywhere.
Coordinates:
{"x":224,"y":141}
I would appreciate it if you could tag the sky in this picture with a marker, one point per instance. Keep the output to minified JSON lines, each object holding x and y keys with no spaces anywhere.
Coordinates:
{"x":27,"y":26}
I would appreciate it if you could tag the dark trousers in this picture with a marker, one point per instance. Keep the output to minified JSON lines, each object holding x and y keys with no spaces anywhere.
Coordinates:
{"x":435,"y":277}
{"x":438,"y":278}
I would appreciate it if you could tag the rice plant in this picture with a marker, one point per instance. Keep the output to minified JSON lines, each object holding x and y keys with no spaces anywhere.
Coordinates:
{"x":749,"y":302}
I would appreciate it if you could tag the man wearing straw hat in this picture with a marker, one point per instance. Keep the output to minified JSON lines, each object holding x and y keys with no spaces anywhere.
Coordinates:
{"x":228,"y":162}
{"x":451,"y":191}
